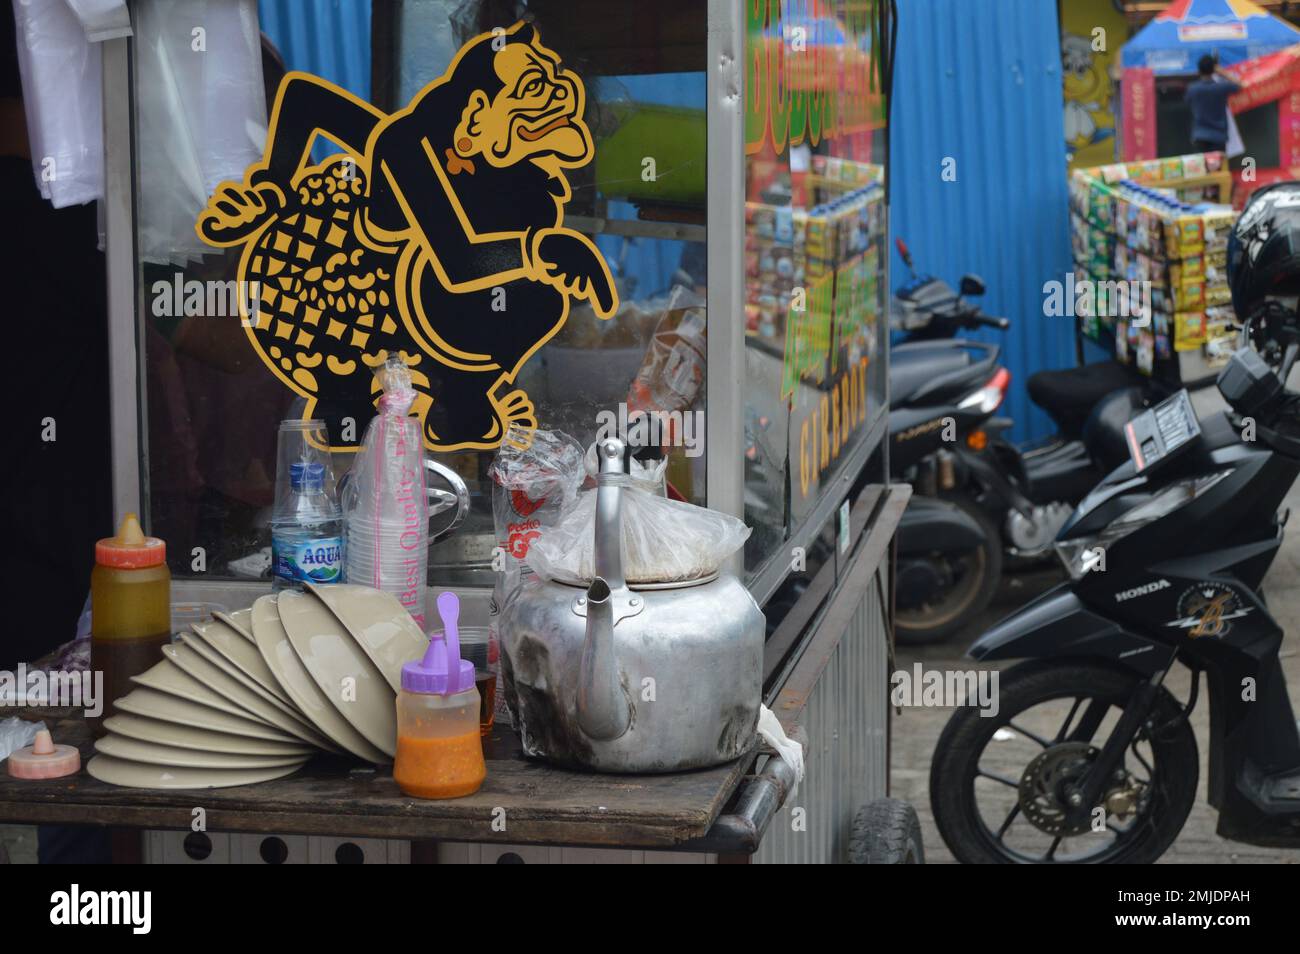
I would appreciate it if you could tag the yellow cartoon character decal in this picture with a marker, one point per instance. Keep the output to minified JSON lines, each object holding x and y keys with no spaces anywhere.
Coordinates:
{"x":438,"y":236}
{"x":1088,"y":90}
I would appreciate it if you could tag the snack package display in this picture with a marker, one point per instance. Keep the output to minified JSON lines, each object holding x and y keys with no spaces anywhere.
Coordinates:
{"x":1149,"y":224}
{"x":664,"y":541}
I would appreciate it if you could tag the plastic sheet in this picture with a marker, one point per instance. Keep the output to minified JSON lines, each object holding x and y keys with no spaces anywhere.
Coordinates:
{"x":62,"y":79}
{"x":664,"y":541}
{"x":102,"y":19}
{"x":15,"y":733}
{"x":202,"y":114}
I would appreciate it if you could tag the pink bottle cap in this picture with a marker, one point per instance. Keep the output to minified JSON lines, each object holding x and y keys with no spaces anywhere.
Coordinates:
{"x":44,"y":759}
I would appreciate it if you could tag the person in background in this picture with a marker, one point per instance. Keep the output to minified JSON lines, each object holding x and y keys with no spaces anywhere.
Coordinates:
{"x":1208,"y":98}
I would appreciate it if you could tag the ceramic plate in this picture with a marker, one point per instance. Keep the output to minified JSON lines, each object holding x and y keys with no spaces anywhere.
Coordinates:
{"x":124,"y":747}
{"x":380,"y":625}
{"x":117,"y":771}
{"x":189,"y":658}
{"x":343,"y":672}
{"x":187,"y":737}
{"x":243,"y":656}
{"x":160,"y":705}
{"x":240,"y":620}
{"x":294,"y":678}
{"x":169,"y":678}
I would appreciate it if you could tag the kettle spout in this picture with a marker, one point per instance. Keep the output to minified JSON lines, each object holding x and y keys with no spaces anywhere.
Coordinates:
{"x":604,"y":712}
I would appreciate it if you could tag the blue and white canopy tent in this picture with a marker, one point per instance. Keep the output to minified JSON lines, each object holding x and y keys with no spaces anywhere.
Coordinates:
{"x":1160,"y":58}
{"x":1232,"y":30}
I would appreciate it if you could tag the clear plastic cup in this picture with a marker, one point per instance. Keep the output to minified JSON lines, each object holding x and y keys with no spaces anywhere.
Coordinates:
{"x":306,"y":442}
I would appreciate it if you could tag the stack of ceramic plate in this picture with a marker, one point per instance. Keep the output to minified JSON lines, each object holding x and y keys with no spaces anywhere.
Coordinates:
{"x":252,"y":695}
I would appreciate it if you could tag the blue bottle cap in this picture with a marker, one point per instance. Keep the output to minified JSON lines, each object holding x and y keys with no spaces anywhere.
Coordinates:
{"x":304,"y":476}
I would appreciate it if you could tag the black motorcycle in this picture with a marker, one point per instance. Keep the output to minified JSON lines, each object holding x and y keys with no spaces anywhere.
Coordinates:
{"x":1089,"y":756}
{"x":980,"y":499}
{"x":941,"y":392}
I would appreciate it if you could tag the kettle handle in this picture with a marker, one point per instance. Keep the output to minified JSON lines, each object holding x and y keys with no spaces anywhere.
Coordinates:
{"x":438,"y":500}
{"x":609,"y":513}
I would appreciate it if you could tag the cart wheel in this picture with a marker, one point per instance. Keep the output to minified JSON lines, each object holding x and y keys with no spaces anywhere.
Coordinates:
{"x":886,"y":832}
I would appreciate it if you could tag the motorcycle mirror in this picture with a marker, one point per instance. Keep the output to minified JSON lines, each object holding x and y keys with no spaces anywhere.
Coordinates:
{"x":972,"y":285}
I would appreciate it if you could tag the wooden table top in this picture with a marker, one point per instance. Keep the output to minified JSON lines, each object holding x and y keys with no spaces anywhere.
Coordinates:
{"x":521,"y":802}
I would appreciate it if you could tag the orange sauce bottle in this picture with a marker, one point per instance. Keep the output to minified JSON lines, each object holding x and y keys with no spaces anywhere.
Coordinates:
{"x":439,"y":747}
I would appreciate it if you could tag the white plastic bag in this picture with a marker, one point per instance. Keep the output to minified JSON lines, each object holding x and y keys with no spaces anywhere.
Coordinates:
{"x":648,"y":475}
{"x":787,"y":749}
{"x":202,"y":114}
{"x":16,"y":733}
{"x":664,"y":541}
{"x":62,"y":82}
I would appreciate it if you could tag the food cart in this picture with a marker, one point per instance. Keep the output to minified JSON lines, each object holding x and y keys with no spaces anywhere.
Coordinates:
{"x":739,"y":165}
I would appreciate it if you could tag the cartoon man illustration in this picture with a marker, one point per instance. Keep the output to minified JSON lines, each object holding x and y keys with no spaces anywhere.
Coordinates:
{"x":1088,"y":116}
{"x":438,"y":235}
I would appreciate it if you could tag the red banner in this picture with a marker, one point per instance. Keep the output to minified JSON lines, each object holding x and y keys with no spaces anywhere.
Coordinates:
{"x":1139,"y":114}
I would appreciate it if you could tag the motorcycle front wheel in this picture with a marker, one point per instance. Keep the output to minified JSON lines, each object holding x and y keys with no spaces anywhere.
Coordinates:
{"x":998,"y":783}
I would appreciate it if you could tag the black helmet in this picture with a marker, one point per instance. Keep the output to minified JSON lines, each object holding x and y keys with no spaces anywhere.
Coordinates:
{"x":1264,"y":248}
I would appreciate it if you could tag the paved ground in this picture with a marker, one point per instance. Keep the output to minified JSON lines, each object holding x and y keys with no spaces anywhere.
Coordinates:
{"x":916,"y":730}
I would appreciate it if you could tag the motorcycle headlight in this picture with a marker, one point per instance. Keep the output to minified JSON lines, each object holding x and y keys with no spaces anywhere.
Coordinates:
{"x":1082,"y":554}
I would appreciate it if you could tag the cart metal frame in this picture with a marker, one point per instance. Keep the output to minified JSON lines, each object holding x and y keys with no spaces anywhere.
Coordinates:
{"x":830,"y":658}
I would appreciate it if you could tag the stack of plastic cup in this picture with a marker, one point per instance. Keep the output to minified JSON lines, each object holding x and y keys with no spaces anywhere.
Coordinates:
{"x":387,"y":512}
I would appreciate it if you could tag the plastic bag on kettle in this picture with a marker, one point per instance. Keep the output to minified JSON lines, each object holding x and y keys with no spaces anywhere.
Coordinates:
{"x":664,"y":541}
{"x":535,"y":476}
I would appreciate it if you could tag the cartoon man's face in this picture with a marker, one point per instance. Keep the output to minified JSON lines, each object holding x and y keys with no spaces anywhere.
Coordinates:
{"x":1082,"y":74}
{"x":537,"y":111}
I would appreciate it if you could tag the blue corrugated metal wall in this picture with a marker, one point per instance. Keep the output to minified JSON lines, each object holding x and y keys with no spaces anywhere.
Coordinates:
{"x":980,"y":81}
{"x":330,"y":38}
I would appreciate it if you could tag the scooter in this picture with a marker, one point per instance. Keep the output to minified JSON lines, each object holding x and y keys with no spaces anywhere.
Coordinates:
{"x":1029,"y":491}
{"x":941,"y":392}
{"x":973,"y":484}
{"x":1088,"y":756}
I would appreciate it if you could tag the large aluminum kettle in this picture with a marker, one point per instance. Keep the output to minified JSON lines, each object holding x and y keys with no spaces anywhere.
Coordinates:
{"x":655,"y":678}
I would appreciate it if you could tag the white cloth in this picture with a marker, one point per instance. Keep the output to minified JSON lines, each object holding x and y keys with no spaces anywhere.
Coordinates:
{"x":787,"y":749}
{"x":1235,"y":147}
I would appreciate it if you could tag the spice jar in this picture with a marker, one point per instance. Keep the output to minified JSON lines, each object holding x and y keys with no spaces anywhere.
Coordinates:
{"x":439,"y":749}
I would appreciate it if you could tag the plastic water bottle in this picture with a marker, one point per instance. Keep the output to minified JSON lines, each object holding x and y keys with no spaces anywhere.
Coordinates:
{"x":307,"y":532}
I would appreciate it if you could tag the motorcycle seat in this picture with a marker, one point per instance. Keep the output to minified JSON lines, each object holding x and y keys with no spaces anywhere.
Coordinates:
{"x":932,"y":370}
{"x":1068,"y":395}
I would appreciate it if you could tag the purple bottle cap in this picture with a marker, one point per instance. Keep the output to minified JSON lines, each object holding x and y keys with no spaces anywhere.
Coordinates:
{"x":441,"y":671}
